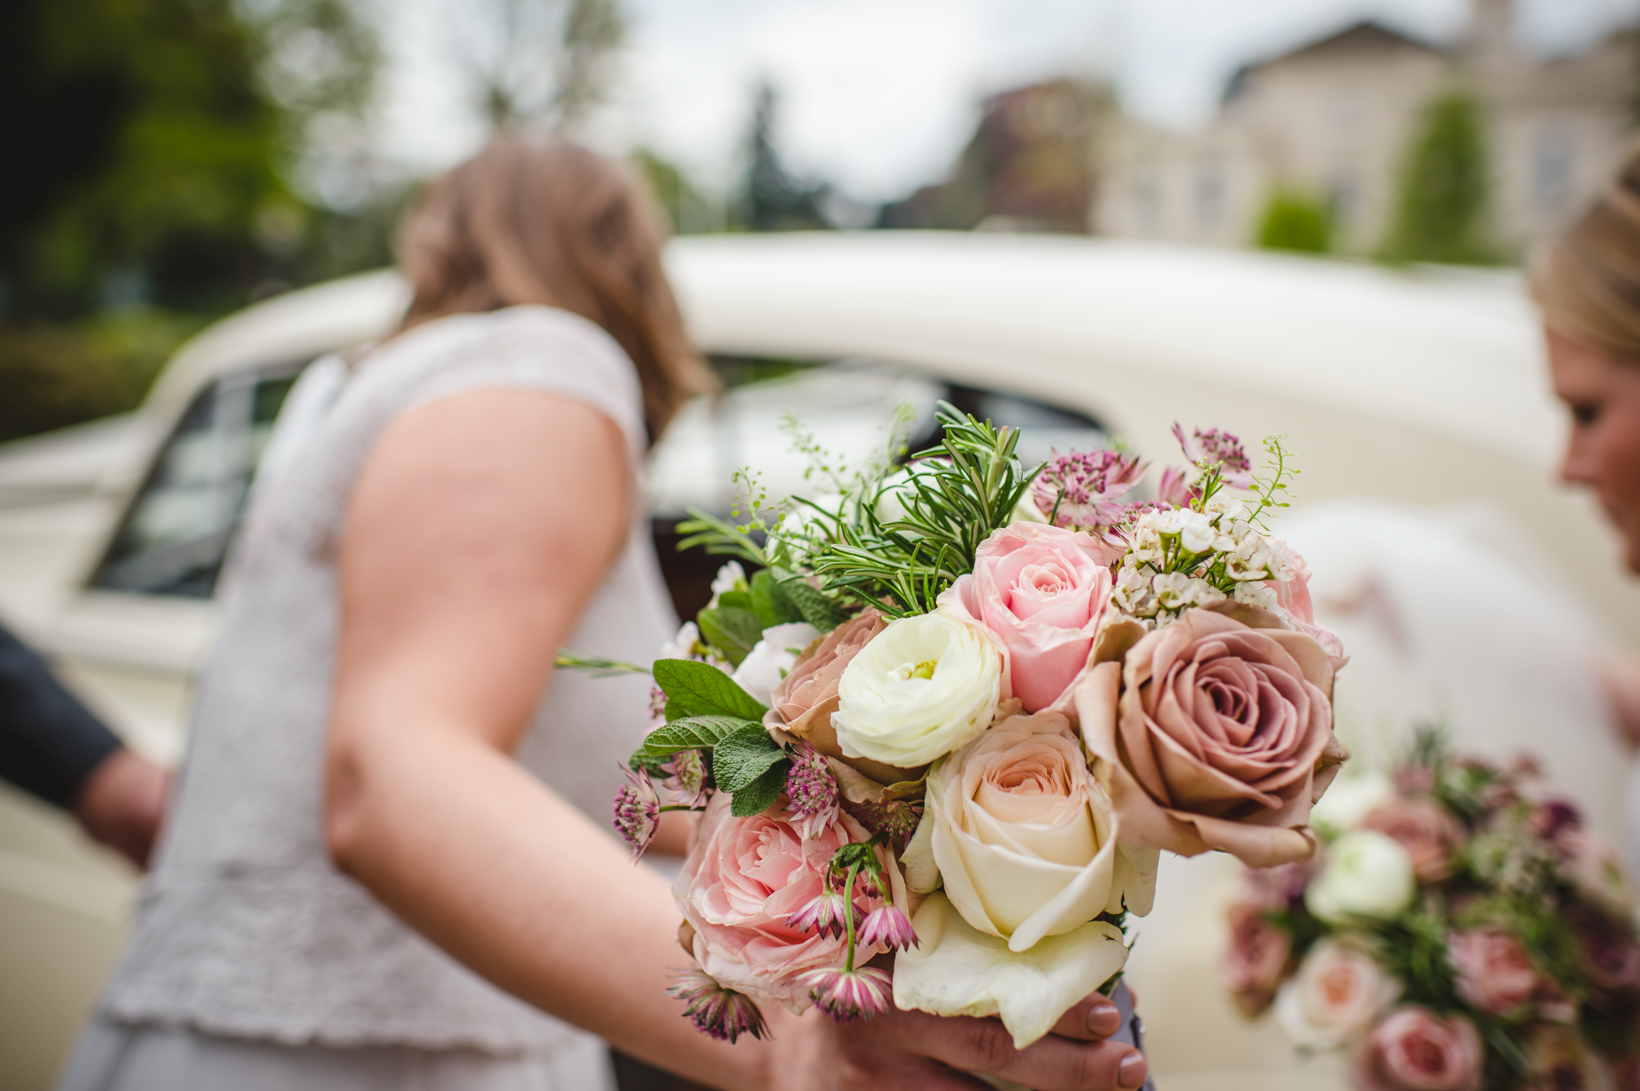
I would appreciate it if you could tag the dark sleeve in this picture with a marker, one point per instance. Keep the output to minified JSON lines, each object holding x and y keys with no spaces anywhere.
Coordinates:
{"x":49,"y":742}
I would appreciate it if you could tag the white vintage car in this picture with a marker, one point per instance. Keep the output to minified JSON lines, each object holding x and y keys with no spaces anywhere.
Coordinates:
{"x":1415,"y":387}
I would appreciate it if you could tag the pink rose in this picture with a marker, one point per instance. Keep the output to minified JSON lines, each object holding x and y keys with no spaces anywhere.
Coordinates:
{"x":1041,"y":591}
{"x":1415,"y":1050}
{"x":1256,"y":960}
{"x":1495,"y":974}
{"x":1293,"y":596}
{"x":1426,"y":831}
{"x":742,"y":881}
{"x":1221,"y":737}
{"x":1609,"y":952}
{"x":1335,"y":996}
{"x":805,"y":699}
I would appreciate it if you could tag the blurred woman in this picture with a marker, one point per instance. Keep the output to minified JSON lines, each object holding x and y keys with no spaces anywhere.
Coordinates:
{"x":1588,"y":286}
{"x":380,"y":870}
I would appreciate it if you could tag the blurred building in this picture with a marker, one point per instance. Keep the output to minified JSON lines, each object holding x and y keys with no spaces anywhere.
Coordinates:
{"x":1334,"y":118}
{"x":1028,"y":167}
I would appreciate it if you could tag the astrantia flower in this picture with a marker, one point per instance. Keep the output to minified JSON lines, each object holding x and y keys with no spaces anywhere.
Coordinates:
{"x":849,"y":996}
{"x":688,"y":780}
{"x":637,"y":811}
{"x":811,"y":790}
{"x":888,"y":927}
{"x":657,"y":704}
{"x":719,"y":1012}
{"x":1216,"y":447}
{"x":826,"y":913}
{"x":1080,"y":490}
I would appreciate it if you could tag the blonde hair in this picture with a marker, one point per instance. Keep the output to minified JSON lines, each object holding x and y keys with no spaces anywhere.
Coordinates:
{"x":1588,"y":280}
{"x":550,"y":222}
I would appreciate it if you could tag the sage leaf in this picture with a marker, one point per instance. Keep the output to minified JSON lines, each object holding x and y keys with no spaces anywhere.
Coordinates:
{"x":693,"y":733}
{"x":760,"y":794}
{"x":699,"y":689}
{"x":742,"y":757}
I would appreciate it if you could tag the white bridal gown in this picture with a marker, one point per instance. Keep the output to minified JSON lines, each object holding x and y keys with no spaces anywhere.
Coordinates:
{"x":1448,"y":617}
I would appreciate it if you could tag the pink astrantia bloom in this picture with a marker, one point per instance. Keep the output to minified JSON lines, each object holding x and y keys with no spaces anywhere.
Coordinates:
{"x":719,"y":1012}
{"x":687,"y":781}
{"x":826,"y":913}
{"x":886,"y":926}
{"x":849,"y":996}
{"x":811,"y":791}
{"x":1218,"y":448}
{"x":1080,"y":490}
{"x":1173,"y":488}
{"x":637,"y":811}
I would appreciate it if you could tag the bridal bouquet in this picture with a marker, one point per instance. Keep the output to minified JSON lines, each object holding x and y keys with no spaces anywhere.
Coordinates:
{"x":958,"y":711}
{"x":1456,"y":931}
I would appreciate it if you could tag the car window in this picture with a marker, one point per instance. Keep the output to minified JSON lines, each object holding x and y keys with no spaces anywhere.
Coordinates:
{"x":178,"y":527}
{"x":843,"y":406}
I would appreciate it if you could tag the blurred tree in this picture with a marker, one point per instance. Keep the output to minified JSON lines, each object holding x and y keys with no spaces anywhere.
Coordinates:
{"x":540,"y":63}
{"x":1295,"y":221}
{"x":773,"y":199}
{"x":1445,"y":188}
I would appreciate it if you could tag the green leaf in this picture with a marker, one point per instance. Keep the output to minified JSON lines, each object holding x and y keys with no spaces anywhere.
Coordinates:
{"x":731,"y":630}
{"x":773,"y":604}
{"x":760,"y":794}
{"x":816,"y":608}
{"x":642,"y":759}
{"x":739,"y":600}
{"x":693,"y":733}
{"x":742,"y":757}
{"x":699,"y":689}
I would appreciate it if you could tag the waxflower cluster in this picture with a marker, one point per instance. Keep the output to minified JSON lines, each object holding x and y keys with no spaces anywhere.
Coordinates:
{"x":957,"y":711}
{"x":1458,"y":929}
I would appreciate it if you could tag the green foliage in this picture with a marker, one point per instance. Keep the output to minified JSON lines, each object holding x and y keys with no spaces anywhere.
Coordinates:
{"x":693,"y":733}
{"x":959,"y":492}
{"x":56,"y":376}
{"x":1295,"y":221}
{"x":774,"y":603}
{"x":699,"y":689}
{"x":597,"y":665}
{"x":744,"y":755}
{"x":1445,"y":189}
{"x":817,"y":608}
{"x":760,"y":794}
{"x":732,"y":630}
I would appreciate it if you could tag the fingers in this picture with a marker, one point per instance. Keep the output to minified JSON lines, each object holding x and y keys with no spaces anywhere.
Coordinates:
{"x":1092,"y":1020}
{"x":1052,"y":1064}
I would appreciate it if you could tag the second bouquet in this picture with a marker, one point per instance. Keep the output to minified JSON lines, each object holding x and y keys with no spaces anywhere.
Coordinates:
{"x":957,"y":713}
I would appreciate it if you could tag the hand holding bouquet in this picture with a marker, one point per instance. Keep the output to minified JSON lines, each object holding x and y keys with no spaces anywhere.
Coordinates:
{"x":956,"y":714}
{"x":1456,"y":932}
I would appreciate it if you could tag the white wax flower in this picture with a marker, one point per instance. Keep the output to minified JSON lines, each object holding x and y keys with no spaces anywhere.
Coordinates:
{"x":731,"y":577}
{"x":1367,"y":874}
{"x":772,"y":657}
{"x":683,"y":645}
{"x":924,"y":686}
{"x":956,"y":970}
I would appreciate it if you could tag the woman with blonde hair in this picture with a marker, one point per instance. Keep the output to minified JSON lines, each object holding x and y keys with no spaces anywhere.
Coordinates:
{"x":1587,"y":284}
{"x":384,"y":866}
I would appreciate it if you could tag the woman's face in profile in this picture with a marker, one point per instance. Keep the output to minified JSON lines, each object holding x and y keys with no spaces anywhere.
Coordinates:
{"x":1603,"y":451}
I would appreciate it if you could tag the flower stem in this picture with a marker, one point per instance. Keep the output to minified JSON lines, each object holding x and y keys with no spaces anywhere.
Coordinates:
{"x":848,"y":913}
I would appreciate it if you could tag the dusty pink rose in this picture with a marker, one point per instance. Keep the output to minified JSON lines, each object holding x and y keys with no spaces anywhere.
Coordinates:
{"x":1041,"y":591}
{"x":1609,"y":952}
{"x":1216,"y":735}
{"x":1494,"y":972}
{"x":1426,"y":831}
{"x":742,"y":881}
{"x":1256,"y":959}
{"x":805,"y":699}
{"x":1335,"y":996}
{"x":1413,"y":1049}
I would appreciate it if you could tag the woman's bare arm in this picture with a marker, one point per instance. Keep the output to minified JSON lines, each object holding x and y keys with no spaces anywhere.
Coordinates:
{"x":476,"y":534}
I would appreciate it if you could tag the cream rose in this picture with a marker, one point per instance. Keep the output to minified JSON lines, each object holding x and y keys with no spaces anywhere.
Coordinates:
{"x":1366,"y":874}
{"x":1221,"y":736}
{"x":1335,"y":996}
{"x":1023,"y":836}
{"x":921,"y":688}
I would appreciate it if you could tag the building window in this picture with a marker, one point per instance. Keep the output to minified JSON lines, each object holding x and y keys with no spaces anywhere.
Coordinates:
{"x":1551,"y":170}
{"x":1210,"y":194}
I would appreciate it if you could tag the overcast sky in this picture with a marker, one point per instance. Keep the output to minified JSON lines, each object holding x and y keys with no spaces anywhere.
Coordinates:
{"x":877,"y":96}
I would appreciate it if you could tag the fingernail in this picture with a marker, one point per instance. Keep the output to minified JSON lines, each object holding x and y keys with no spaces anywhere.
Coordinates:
{"x":1132,"y":1071}
{"x":1103,"y":1019}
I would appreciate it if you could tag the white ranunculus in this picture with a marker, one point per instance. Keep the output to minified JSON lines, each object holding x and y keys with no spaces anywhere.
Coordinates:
{"x":1366,"y":874}
{"x":1024,"y":837}
{"x":772,"y":657}
{"x":923,"y":687}
{"x":1349,"y":800}
{"x":1335,"y":997}
{"x":956,"y":970}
